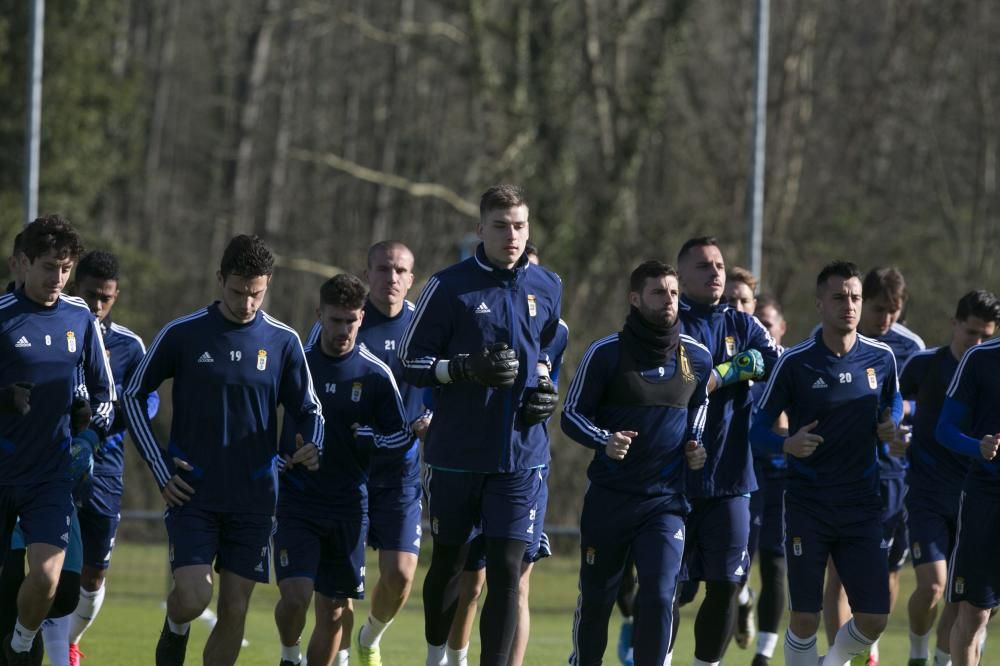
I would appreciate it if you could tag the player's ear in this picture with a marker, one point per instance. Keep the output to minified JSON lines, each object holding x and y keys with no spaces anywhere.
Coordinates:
{"x":479,"y":229}
{"x":218,"y":276}
{"x":633,"y":299}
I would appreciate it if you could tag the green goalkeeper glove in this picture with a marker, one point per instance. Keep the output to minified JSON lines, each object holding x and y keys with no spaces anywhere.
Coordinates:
{"x":741,"y":368}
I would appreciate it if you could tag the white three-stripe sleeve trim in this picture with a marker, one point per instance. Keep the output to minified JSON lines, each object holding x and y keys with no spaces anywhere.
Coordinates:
{"x":135,"y":410}
{"x":793,"y":351}
{"x":598,"y":435}
{"x":318,"y":426}
{"x":404,"y":344}
{"x":401,"y":437}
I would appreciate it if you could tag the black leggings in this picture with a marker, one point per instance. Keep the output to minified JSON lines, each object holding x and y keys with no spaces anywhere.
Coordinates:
{"x":772,"y":592}
{"x":715,"y":621}
{"x":499,"y":619}
{"x":499,"y":616}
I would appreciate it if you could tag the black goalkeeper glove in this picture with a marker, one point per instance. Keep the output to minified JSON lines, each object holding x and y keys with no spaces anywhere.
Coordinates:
{"x":494,"y":366}
{"x":79,"y":416}
{"x":16,"y":398}
{"x":541,"y":402}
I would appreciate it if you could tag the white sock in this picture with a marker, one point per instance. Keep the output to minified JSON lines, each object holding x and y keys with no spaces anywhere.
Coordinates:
{"x":873,"y":651}
{"x":343,"y":658}
{"x":941,"y":658}
{"x":371,"y":632}
{"x":982,"y":643}
{"x":55,"y":635}
{"x":920,"y":645}
{"x":458,"y":657}
{"x":22,"y":638}
{"x":766,"y":642}
{"x":436,"y":655}
{"x":744,"y":597}
{"x":179,"y":628}
{"x":699,"y":662}
{"x":291,"y":653}
{"x":850,"y":643}
{"x":86,"y":612}
{"x":800,"y":651}
{"x":667,"y":661}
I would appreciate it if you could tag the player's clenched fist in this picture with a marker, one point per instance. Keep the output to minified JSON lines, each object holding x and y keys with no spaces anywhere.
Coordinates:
{"x":618,"y":443}
{"x":804,"y":442}
{"x":988,"y":446}
{"x":886,"y":427}
{"x":695,"y":454}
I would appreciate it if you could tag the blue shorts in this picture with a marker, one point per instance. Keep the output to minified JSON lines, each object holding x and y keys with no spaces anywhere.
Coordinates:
{"x":765,"y":517}
{"x":73,"y":560}
{"x":236,"y":542}
{"x":394,"y":518}
{"x":933,"y":520}
{"x":502,"y":505}
{"x":852,"y":536}
{"x":44,"y":509}
{"x":330,"y":551}
{"x":537,"y":548}
{"x":614,"y":525}
{"x":98,"y":532}
{"x":893,"y":493}
{"x":718,"y":531}
{"x":972,"y":571}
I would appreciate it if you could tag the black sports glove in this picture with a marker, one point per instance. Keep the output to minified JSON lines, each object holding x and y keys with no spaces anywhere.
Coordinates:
{"x":79,"y":416}
{"x":16,"y":398}
{"x":541,"y":402}
{"x":494,"y":366}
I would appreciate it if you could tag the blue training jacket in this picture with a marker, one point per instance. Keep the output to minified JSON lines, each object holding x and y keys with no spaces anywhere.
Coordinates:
{"x":726,"y":332}
{"x":461,"y":310}
{"x":56,"y":348}
{"x":229,"y":379}
{"x":655,"y":463}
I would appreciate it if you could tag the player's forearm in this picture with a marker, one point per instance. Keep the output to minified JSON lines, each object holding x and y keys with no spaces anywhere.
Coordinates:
{"x":763,"y":439}
{"x":582,"y":430}
{"x":142,"y":434}
{"x":949,"y":429}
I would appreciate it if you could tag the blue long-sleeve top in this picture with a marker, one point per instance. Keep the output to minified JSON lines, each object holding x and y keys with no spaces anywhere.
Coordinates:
{"x":356,"y":388}
{"x":595,"y":409}
{"x":726,"y":332}
{"x":229,"y":379}
{"x":970,"y":413}
{"x":461,"y":310}
{"x":54,"y":348}
{"x":924,"y":379}
{"x":125,"y":351}
{"x":847,"y":395}
{"x":382,"y":335}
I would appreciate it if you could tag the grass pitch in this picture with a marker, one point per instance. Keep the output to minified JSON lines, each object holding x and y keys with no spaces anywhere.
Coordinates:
{"x":126,"y":631}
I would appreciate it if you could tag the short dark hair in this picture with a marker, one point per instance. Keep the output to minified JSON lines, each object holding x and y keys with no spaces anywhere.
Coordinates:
{"x":838,"y":268}
{"x":246,"y":256}
{"x":769,"y":301}
{"x":345,"y":291}
{"x":530,"y":248}
{"x":18,"y":247}
{"x":501,"y":197}
{"x":979,"y":303}
{"x":885,"y":282}
{"x":51,"y":233}
{"x":652,"y":268}
{"x":698,"y":241}
{"x":386,"y":246}
{"x":99,"y":264}
{"x":740,"y":274}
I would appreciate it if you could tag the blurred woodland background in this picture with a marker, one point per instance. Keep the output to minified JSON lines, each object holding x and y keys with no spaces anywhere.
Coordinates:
{"x":325,"y":125}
